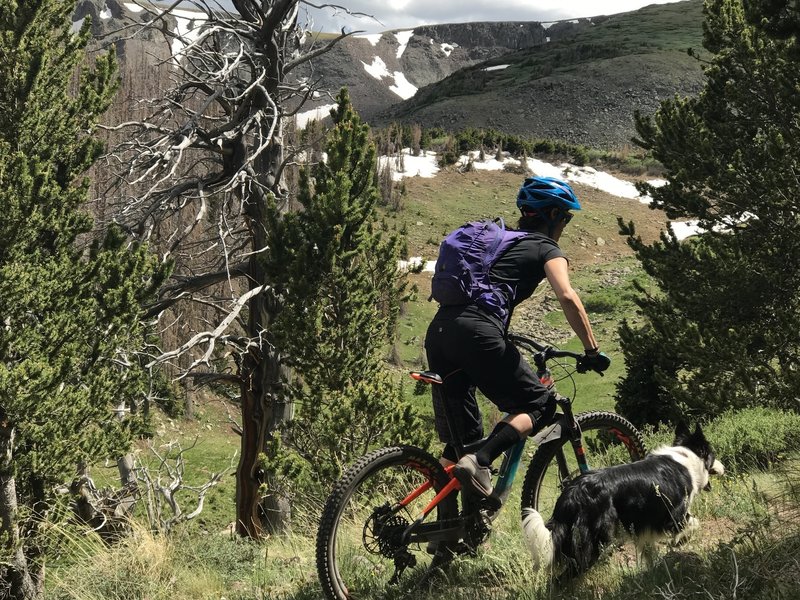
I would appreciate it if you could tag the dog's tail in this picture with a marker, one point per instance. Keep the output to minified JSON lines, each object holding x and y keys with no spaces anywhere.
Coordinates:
{"x":538,"y":538}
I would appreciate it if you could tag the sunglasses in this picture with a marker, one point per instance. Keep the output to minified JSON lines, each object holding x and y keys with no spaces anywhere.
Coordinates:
{"x":566,"y":217}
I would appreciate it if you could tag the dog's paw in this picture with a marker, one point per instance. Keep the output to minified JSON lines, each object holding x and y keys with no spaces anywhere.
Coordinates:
{"x":688,"y":531}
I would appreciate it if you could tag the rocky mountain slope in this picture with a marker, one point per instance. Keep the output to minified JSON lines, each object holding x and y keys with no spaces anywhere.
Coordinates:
{"x":381,"y":70}
{"x":584,"y":89}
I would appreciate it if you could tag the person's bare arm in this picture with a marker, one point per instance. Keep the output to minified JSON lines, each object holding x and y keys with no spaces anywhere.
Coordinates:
{"x":557,"y":272}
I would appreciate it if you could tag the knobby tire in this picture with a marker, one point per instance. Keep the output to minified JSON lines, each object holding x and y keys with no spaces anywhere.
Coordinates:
{"x":348,"y":562}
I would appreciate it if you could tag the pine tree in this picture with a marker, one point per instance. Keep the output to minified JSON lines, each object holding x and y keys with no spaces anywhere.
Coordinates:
{"x":70,"y":298}
{"x":338,"y":266}
{"x":721,"y":329}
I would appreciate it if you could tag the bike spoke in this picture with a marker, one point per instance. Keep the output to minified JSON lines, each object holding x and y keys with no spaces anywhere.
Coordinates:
{"x":378,"y":549}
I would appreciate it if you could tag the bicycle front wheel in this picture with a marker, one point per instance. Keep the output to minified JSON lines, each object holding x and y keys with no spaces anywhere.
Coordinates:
{"x":361,"y":547}
{"x":608,"y":439}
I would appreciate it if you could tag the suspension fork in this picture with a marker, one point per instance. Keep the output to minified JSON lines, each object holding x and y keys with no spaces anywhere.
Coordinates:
{"x":575,"y":438}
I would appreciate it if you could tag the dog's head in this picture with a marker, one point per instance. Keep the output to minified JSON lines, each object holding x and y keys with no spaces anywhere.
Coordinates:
{"x":696,"y":442}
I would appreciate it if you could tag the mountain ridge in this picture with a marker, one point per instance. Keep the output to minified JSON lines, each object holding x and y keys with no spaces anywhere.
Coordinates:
{"x":577,"y":80}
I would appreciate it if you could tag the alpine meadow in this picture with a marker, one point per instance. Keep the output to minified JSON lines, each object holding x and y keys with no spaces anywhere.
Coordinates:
{"x":219,"y":226}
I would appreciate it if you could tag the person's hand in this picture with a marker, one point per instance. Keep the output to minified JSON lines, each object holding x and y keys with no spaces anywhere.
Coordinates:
{"x":594,"y":360}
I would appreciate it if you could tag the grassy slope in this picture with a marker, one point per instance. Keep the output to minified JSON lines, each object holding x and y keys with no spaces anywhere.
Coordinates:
{"x":203,"y":561}
{"x":653,"y":31}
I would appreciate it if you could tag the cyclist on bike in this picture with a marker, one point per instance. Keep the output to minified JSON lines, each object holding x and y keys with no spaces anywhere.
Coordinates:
{"x":468,"y":346}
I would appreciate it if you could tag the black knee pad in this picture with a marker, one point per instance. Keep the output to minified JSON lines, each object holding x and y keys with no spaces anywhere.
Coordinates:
{"x":544,"y":416}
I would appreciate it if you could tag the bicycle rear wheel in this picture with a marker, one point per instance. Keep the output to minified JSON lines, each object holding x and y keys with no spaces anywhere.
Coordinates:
{"x":360,"y":550}
{"x":608,"y":439}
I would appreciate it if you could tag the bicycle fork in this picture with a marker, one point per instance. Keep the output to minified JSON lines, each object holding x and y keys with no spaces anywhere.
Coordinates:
{"x":575,"y":439}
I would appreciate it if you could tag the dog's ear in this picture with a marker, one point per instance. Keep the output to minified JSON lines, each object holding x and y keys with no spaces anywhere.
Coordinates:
{"x":682,"y":433}
{"x":698,"y":434}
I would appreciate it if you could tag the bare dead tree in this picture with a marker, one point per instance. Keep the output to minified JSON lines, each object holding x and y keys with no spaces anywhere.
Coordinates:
{"x":202,"y":177}
{"x":164,"y":488}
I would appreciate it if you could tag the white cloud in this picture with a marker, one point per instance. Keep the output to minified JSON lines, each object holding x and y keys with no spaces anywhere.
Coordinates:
{"x":403,"y":14}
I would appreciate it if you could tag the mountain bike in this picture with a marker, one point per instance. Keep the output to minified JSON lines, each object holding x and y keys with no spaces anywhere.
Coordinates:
{"x":393,"y":519}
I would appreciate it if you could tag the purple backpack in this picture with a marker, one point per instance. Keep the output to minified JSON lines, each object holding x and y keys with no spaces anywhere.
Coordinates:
{"x":466,"y":256}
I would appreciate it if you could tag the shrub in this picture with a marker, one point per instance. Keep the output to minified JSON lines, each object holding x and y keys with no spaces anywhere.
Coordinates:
{"x":754,"y":437}
{"x":751,"y":438}
{"x":603,"y":302}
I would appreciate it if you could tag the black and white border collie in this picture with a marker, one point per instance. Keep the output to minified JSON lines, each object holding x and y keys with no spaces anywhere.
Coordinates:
{"x":648,"y":499}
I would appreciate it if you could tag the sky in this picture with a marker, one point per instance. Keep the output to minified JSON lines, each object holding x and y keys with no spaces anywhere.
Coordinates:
{"x":401,"y":14}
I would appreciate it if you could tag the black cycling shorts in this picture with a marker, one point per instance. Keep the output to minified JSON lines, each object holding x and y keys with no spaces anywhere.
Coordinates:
{"x":468,"y":348}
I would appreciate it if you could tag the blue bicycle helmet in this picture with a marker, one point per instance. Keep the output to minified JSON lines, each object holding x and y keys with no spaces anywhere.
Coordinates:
{"x":543,"y":192}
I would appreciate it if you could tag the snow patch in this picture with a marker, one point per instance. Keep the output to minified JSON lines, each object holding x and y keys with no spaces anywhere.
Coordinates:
{"x":414,"y":262}
{"x":402,"y":87}
{"x":496,"y":67}
{"x":315,"y":114}
{"x":189,"y":24}
{"x":105,"y":14}
{"x":377,"y":69}
{"x":134,"y":8}
{"x":76,"y":25}
{"x":685,"y":229}
{"x":402,"y":39}
{"x":426,"y":165}
{"x":373,"y":38}
{"x":584,"y":175}
{"x":448,"y":48}
{"x":548,"y":25}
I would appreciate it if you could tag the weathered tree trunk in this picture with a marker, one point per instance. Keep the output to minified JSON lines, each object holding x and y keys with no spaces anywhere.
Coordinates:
{"x":188,"y":400}
{"x":19,"y":580}
{"x":125,"y":466}
{"x":259,"y":507}
{"x":259,"y":504}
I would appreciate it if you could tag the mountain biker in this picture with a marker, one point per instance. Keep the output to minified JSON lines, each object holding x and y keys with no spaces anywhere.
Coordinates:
{"x":469,"y":348}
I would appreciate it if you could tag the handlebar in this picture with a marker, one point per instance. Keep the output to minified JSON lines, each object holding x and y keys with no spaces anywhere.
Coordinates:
{"x":542,"y":353}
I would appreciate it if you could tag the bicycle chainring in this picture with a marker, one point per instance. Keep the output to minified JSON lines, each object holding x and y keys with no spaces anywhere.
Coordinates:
{"x":478,"y":529}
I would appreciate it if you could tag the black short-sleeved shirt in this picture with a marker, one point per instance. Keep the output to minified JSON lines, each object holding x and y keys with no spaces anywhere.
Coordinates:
{"x":522,"y":265}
